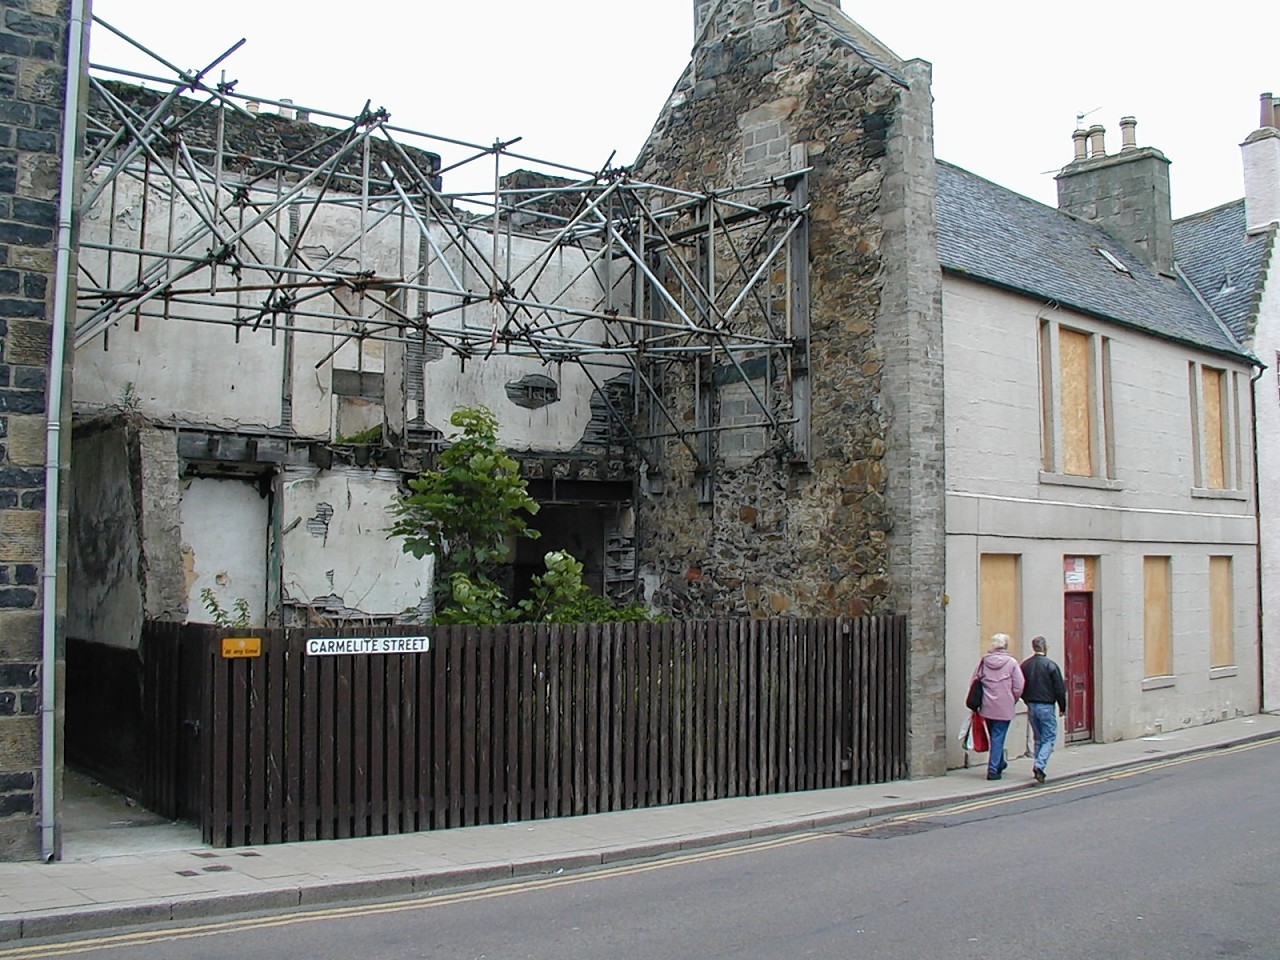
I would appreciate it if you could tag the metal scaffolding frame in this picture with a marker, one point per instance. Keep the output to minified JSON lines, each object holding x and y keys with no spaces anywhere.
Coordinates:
{"x":688,"y":281}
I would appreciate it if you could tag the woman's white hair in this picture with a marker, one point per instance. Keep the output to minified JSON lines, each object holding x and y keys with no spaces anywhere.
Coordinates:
{"x":999,"y":641}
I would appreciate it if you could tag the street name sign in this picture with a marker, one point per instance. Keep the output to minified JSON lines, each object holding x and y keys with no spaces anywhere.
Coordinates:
{"x":339,"y":646}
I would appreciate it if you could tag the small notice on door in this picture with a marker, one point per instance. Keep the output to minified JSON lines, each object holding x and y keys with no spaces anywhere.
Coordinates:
{"x":338,"y":646}
{"x":1075,"y":571}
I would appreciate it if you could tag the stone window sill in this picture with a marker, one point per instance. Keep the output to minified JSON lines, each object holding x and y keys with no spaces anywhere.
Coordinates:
{"x":1217,"y":673}
{"x":1206,"y":493}
{"x":1158,"y":683}
{"x":1069,"y":480}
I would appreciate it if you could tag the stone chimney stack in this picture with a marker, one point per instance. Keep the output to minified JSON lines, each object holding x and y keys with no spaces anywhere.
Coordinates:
{"x":1261,"y":153}
{"x":1126,"y":193}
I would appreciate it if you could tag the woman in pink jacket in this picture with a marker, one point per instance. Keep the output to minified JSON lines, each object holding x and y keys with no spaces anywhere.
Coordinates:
{"x":1001,"y":686}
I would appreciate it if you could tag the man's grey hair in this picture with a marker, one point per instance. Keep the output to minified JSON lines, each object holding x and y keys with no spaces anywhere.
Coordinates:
{"x":1039,"y":644}
{"x":999,"y":641}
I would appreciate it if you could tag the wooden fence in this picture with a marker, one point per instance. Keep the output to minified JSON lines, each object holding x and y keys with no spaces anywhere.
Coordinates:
{"x":498,"y":724}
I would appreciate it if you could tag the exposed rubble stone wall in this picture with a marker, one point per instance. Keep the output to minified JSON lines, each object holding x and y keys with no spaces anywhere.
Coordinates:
{"x":859,"y":529}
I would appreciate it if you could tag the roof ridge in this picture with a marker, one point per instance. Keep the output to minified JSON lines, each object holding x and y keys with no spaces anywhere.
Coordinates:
{"x":1212,"y":210}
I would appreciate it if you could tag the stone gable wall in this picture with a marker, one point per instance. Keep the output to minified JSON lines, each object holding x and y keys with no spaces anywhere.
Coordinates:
{"x":860,"y":529}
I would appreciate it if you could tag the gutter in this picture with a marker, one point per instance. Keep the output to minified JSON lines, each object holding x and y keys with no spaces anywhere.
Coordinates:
{"x":77,"y":37}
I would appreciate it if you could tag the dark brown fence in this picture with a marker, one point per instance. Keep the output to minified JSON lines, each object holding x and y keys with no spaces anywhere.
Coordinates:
{"x":497,"y":724}
{"x":134,"y":716}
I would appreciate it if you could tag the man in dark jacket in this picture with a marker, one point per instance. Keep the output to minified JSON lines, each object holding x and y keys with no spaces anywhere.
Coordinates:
{"x":1043,"y":688}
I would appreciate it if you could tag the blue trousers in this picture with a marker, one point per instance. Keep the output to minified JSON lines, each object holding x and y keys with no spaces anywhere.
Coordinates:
{"x":1044,"y":725}
{"x":997,"y":729}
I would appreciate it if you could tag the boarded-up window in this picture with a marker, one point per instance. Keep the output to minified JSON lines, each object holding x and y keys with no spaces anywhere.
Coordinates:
{"x":1215,"y":431}
{"x":1157,"y":621}
{"x":1000,"y":601}
{"x":1077,"y":403}
{"x":1222,"y":612}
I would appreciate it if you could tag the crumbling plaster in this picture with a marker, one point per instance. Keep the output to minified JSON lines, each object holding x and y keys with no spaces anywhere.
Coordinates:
{"x":336,"y":555}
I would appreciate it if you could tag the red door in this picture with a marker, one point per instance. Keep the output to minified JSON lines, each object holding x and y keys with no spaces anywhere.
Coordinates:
{"x":1077,"y":642}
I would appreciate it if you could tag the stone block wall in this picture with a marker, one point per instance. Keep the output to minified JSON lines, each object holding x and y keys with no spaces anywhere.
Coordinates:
{"x":859,"y":528}
{"x":33,"y":53}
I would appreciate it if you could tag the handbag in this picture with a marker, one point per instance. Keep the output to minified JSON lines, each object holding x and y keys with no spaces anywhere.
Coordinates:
{"x":974,"y":700}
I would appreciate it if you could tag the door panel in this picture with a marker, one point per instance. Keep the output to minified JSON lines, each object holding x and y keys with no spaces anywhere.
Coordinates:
{"x":1077,"y":637}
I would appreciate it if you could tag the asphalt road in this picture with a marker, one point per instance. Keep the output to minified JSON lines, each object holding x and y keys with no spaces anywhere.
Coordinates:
{"x":1181,"y":860}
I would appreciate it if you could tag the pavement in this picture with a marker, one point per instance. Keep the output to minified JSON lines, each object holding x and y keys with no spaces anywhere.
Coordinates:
{"x":138,"y":870}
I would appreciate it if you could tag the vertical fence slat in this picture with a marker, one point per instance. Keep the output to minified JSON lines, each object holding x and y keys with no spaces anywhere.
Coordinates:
{"x":398,"y":711}
{"x":617,"y":718}
{"x":360,"y":751}
{"x":495,"y":767}
{"x":679,"y":640}
{"x":578,"y":737}
{"x":514,"y":752}
{"x":257,"y":721}
{"x":541,"y":724}
{"x":481,"y":703}
{"x":593,"y":705}
{"x":529,"y":723}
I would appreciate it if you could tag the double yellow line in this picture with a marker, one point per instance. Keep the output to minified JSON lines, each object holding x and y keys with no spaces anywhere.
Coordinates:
{"x":98,"y":944}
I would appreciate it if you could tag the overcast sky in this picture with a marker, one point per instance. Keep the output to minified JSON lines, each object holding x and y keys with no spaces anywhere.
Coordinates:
{"x":579,"y":79}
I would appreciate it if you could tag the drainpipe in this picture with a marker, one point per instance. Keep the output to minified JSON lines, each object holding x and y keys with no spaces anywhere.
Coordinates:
{"x":1257,"y":520}
{"x":76,"y":38}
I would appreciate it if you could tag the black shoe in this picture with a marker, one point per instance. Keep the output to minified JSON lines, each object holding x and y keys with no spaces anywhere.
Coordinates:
{"x":1003,"y":765}
{"x":993,"y":776}
{"x":1038,"y":774}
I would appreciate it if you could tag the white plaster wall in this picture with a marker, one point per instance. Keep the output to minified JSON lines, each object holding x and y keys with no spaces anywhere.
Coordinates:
{"x":449,"y":384}
{"x":1262,"y":179}
{"x":1267,"y":404}
{"x":334,"y":548}
{"x":997,"y":504}
{"x":224,"y":546}
{"x":993,"y":406}
{"x":172,"y":368}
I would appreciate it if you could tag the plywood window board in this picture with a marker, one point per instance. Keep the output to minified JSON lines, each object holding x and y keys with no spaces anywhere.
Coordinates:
{"x":1157,"y":628}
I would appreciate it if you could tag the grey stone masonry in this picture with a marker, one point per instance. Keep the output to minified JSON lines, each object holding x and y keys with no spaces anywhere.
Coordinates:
{"x":1128,"y":194}
{"x":33,"y":41}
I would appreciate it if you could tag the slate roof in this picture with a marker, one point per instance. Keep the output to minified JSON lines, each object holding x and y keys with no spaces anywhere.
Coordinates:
{"x":993,"y":234}
{"x":845,"y":29}
{"x":1227,"y":266}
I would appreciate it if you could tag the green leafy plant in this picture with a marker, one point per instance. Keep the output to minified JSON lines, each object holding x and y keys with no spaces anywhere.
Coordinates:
{"x":236,"y":619}
{"x":561,"y":596}
{"x":372,"y":435}
{"x":466,"y":512}
{"x":474,"y":602}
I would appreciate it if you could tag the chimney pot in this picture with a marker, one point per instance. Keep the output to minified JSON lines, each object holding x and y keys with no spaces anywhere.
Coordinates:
{"x":1097,"y":141}
{"x":1268,"y":111}
{"x":253,"y":106}
{"x":286,"y":108}
{"x":1080,"y":141}
{"x":1128,"y":133}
